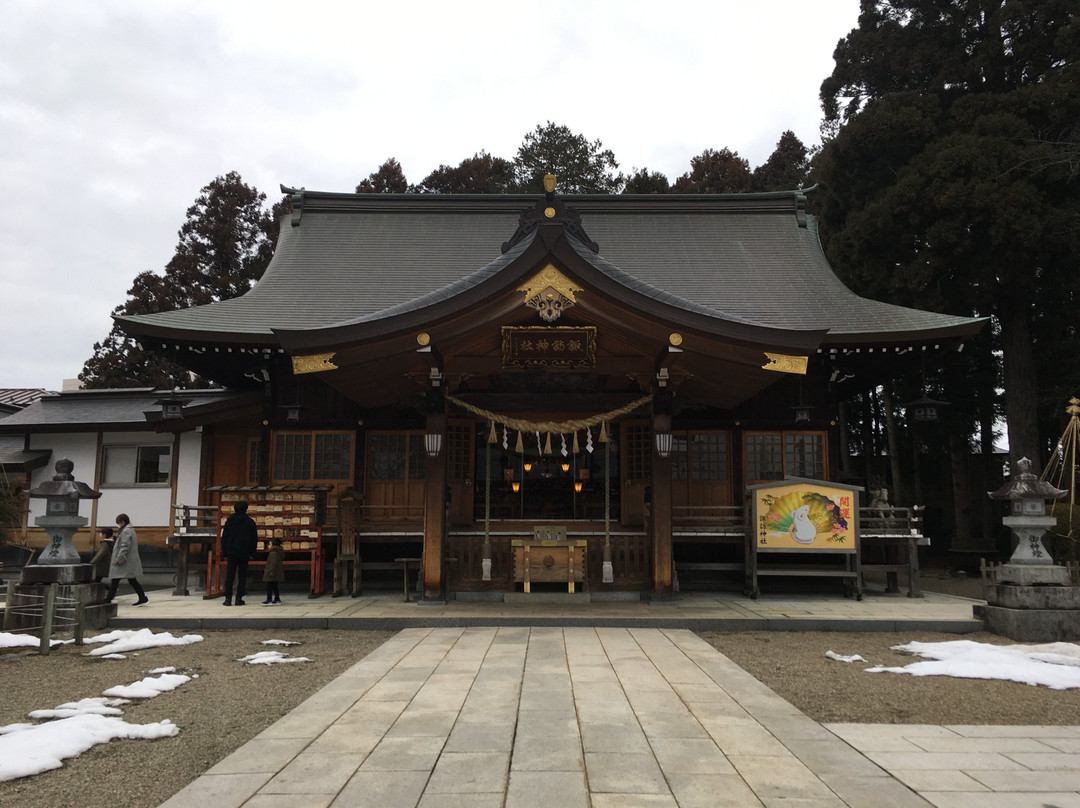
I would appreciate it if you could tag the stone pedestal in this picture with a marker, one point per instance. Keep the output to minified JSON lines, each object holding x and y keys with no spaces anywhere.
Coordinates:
{"x":75,"y":584}
{"x":1032,"y":603}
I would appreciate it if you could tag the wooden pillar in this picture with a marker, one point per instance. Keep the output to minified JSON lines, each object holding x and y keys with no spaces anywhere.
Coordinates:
{"x":435,"y":510}
{"x":661,"y":510}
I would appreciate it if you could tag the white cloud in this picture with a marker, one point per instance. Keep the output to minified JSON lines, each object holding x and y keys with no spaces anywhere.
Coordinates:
{"x":115,"y":114}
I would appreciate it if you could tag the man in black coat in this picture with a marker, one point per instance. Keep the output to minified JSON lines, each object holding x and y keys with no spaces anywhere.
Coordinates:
{"x":239,"y":540}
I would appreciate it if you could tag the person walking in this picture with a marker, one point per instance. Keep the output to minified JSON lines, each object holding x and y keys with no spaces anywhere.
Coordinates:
{"x":102,"y":559}
{"x":125,"y":562}
{"x":239,"y":540}
{"x":274,"y":573}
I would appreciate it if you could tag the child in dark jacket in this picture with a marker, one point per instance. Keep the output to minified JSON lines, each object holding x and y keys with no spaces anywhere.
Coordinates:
{"x":273,"y":573}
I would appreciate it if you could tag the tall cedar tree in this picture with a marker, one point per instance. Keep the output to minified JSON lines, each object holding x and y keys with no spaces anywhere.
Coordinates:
{"x":643,"y":181}
{"x":580,"y":166}
{"x":786,"y":168}
{"x":479,"y":174}
{"x":225,"y":245}
{"x":715,"y":172}
{"x":939,"y":187}
{"x":387,"y":179}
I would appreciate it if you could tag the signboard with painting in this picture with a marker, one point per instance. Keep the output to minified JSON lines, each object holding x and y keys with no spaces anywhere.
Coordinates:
{"x":805,"y":515}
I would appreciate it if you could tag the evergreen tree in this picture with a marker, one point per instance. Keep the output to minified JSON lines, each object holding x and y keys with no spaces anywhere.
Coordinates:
{"x":643,"y":181}
{"x":786,"y":168}
{"x":940,"y":186}
{"x":580,"y":166}
{"x":225,"y":245}
{"x":715,"y":172}
{"x":386,"y":179}
{"x":479,"y":174}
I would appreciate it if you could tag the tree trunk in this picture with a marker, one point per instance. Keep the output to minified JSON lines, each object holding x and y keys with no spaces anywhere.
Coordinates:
{"x":961,"y":491}
{"x":1021,"y":386}
{"x":899,"y":494}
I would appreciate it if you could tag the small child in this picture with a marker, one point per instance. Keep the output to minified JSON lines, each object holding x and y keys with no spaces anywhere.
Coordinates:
{"x":103,"y":557}
{"x":273,"y":573}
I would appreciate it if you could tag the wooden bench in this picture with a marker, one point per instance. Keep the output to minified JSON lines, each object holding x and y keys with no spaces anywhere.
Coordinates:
{"x":898,"y":533}
{"x":709,"y":525}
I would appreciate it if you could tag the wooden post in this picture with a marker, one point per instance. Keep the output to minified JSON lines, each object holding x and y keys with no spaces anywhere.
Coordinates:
{"x":661,"y":511}
{"x":80,"y":622}
{"x":47,"y":613}
{"x":9,"y":605}
{"x":182,"y":556}
{"x":435,"y":512}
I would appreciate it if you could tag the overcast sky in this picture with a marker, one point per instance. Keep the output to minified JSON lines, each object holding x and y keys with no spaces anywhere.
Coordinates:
{"x":114,"y":114}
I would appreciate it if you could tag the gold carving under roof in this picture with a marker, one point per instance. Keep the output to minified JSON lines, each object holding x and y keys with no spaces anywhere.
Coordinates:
{"x":313,"y":363}
{"x":549,"y":183}
{"x":675,"y":338}
{"x":783,"y":363}
{"x":549,"y":213}
{"x":549,"y":292}
{"x":423,"y":338}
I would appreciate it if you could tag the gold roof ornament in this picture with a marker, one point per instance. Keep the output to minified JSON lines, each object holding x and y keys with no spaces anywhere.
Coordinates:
{"x":549,"y":292}
{"x":785,"y":363}
{"x":313,"y":363}
{"x":549,"y":183}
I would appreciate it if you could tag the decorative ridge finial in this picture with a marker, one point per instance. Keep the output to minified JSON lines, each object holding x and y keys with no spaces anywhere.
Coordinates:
{"x":551,"y":210}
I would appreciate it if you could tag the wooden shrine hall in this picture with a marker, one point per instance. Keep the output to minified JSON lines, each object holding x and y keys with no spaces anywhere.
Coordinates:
{"x":524,"y":390}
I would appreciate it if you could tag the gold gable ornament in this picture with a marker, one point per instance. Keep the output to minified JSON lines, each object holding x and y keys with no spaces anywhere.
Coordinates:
{"x":785,"y":363}
{"x":549,"y":292}
{"x":313,"y":363}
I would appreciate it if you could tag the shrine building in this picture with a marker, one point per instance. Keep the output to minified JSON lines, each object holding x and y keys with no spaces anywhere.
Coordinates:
{"x":462,"y":372}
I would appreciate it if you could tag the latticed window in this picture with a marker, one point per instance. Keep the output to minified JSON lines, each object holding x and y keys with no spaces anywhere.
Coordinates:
{"x":636,"y":443}
{"x":804,"y":455}
{"x":459,"y":439}
{"x":333,"y":456}
{"x":775,"y":455}
{"x":764,"y":457}
{"x":396,"y":456}
{"x":312,"y":456}
{"x":705,"y":455}
{"x":254,"y":464}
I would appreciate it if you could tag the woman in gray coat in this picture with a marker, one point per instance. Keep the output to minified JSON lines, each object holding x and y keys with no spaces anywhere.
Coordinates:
{"x":125,"y":561}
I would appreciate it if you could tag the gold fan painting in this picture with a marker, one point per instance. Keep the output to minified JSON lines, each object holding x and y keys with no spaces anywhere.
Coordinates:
{"x":804,"y":516}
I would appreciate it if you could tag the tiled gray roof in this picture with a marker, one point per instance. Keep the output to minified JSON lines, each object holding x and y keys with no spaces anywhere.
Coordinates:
{"x":359,"y":257}
{"x":78,"y":411}
{"x":14,"y":458}
{"x":19,"y":397}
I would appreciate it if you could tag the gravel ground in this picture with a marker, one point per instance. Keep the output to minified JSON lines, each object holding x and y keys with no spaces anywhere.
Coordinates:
{"x":231,"y":702}
{"x":225,"y":707}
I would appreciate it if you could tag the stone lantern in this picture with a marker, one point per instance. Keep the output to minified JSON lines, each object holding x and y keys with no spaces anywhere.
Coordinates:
{"x":62,"y":495}
{"x":1028,"y":518}
{"x":1030,"y":598}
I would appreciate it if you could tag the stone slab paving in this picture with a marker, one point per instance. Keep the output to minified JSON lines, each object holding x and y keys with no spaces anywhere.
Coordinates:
{"x":699,"y":611}
{"x":976,"y":766}
{"x":514,"y":717}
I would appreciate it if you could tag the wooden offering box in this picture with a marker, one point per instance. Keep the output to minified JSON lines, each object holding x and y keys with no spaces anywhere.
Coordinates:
{"x":549,"y":560}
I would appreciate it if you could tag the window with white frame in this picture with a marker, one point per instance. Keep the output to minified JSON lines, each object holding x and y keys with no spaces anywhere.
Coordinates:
{"x":132,"y":465}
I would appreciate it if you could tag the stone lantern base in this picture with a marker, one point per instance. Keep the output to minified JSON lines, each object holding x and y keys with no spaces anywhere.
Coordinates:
{"x":75,"y":583}
{"x":1031,"y":603}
